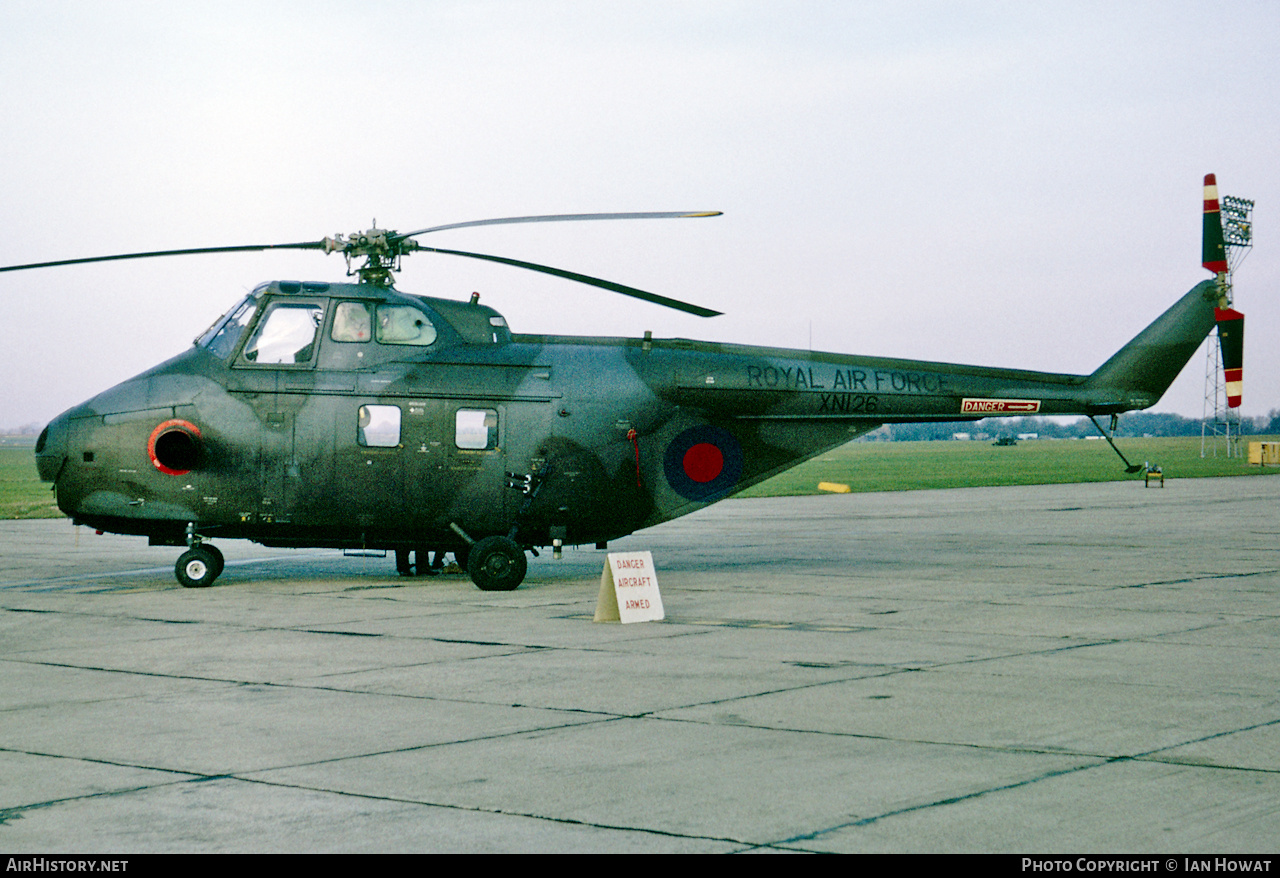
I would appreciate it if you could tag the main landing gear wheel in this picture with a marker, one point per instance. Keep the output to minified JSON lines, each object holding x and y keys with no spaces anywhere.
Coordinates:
{"x":199,"y":566}
{"x":497,"y":564}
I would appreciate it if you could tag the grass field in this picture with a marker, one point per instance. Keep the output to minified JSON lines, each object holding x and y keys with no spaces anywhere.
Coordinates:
{"x":863,"y":466}
{"x":22,"y":494}
{"x":904,"y":466}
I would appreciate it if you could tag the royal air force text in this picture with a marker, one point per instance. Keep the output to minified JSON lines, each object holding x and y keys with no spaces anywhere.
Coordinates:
{"x":847,"y":391}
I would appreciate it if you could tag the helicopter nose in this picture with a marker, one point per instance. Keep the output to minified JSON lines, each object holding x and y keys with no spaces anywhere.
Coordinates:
{"x":51,"y":449}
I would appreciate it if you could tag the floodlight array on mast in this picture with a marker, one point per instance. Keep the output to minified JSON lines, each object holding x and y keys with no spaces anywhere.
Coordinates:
{"x":1237,"y":230}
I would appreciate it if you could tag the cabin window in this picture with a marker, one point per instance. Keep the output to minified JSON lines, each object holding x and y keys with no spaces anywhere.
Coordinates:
{"x":351,"y":322}
{"x":222,"y":337}
{"x":404,"y":324}
{"x":285,"y":334}
{"x":476,"y":429}
{"x":379,"y":426}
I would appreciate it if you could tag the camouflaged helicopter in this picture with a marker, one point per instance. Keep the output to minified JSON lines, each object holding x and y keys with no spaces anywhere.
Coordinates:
{"x":357,"y":416}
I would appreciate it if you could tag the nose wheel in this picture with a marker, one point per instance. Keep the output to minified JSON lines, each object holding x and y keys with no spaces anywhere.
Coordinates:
{"x":199,"y":566}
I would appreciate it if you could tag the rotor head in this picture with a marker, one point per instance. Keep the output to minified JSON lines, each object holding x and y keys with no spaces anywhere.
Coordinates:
{"x":380,"y":248}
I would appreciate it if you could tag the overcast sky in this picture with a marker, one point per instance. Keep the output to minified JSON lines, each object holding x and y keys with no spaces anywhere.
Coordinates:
{"x":1010,"y":184}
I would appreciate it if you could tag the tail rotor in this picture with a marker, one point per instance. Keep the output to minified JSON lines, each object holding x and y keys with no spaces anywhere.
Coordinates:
{"x":1215,"y":252}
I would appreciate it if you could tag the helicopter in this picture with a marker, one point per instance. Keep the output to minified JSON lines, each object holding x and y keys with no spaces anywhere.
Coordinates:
{"x":355,"y":416}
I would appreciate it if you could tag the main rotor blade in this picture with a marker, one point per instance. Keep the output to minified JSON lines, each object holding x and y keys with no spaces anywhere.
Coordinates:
{"x":305,"y":245}
{"x":586,"y":279}
{"x":564,"y":217}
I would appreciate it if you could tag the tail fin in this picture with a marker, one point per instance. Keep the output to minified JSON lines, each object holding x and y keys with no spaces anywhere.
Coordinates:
{"x":1141,"y":371}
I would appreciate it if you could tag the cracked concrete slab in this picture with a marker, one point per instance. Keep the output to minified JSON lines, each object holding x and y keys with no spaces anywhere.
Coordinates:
{"x":1068,"y":668}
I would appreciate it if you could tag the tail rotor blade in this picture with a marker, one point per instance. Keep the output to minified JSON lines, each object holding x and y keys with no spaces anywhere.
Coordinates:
{"x":1231,"y":340}
{"x":1213,"y":251}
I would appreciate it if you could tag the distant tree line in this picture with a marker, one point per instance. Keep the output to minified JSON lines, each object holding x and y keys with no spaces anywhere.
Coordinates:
{"x":1131,"y":425}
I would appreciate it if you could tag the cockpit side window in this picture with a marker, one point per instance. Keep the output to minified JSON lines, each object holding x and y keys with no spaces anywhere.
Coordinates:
{"x":220,"y":340}
{"x":351,"y":322}
{"x":404,"y":324}
{"x":285,"y":334}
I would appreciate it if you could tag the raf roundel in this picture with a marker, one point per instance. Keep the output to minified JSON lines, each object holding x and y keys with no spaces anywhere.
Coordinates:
{"x":703,"y":463}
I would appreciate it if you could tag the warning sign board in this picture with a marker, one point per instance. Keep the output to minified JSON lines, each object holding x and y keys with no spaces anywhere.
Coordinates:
{"x":1000,"y":406}
{"x":629,"y":589}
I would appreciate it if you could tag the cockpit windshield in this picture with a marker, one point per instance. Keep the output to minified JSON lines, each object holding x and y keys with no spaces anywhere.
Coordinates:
{"x":221,"y":338}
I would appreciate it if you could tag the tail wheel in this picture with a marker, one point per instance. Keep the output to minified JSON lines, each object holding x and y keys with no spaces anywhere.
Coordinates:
{"x":497,"y":564}
{"x":198,"y":567}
